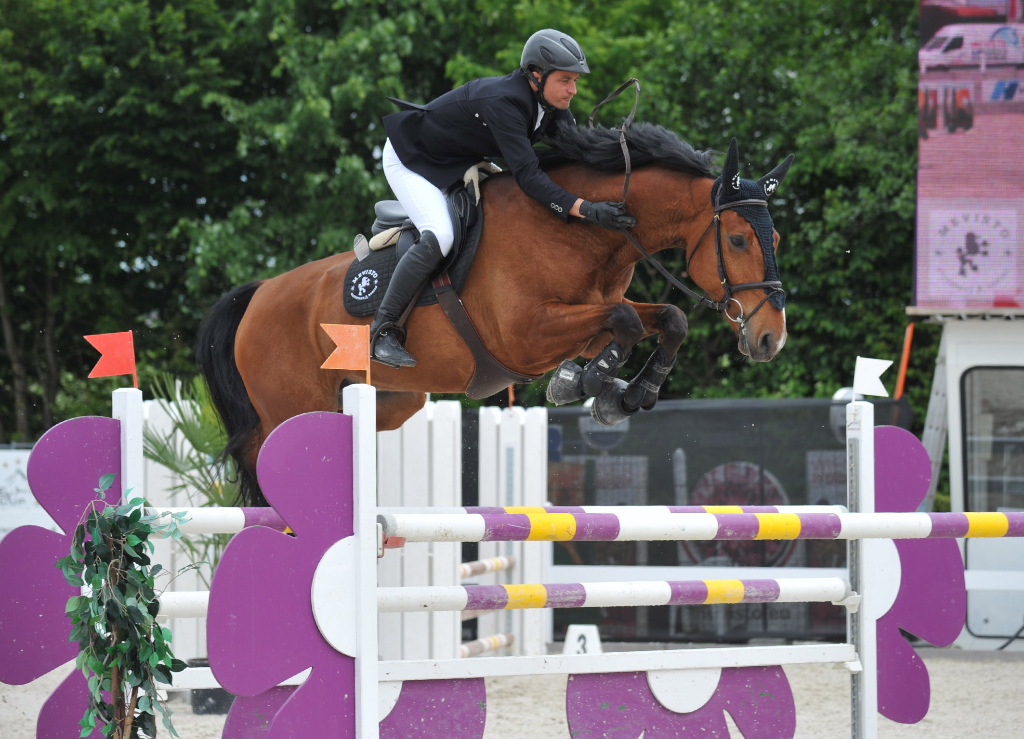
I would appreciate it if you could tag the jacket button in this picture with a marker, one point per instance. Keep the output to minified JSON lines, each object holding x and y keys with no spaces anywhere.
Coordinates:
{"x":485,"y":124}
{"x":477,"y":115}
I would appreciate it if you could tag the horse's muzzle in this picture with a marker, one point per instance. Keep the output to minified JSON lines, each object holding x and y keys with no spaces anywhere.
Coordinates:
{"x":760,"y":346}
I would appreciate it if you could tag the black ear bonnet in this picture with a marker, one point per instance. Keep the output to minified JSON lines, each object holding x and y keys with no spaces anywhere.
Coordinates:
{"x":758,"y":217}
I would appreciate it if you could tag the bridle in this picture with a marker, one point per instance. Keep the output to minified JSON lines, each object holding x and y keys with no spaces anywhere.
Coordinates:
{"x":772,"y":287}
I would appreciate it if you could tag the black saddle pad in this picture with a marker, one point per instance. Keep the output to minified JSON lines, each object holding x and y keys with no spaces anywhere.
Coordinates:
{"x":367,"y":281}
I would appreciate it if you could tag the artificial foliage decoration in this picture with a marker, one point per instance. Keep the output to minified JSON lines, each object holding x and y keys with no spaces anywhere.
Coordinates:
{"x":122,"y":650}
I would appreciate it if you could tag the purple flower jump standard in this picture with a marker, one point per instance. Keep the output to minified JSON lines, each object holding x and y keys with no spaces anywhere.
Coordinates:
{"x":261,"y":630}
{"x":932,"y":599}
{"x":63,"y":470}
{"x":604,"y":706}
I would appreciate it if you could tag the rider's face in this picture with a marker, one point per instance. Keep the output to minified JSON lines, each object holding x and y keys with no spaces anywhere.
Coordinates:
{"x":560,"y":88}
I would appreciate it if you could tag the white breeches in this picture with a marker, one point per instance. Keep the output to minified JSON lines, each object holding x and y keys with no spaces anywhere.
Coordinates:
{"x":424,"y":203}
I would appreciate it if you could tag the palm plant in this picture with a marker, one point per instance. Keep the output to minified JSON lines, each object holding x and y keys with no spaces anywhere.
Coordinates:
{"x":191,"y":449}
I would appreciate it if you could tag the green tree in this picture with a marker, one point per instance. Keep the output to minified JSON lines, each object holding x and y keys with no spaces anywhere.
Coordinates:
{"x":107,"y":142}
{"x":153,"y":155}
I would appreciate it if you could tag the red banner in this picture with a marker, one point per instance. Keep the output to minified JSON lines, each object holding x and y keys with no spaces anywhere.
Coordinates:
{"x":117,"y":355}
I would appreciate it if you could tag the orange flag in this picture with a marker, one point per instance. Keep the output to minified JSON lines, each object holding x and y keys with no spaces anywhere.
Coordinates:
{"x":117,"y":355}
{"x":353,"y":352}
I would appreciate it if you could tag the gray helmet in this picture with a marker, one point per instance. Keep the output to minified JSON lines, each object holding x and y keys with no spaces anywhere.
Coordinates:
{"x":549,"y":50}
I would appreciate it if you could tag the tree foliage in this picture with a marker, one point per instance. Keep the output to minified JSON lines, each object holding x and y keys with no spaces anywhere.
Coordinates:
{"x":154,"y":154}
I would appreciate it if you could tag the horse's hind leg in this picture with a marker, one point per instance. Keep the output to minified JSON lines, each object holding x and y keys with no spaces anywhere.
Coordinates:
{"x":669,"y":322}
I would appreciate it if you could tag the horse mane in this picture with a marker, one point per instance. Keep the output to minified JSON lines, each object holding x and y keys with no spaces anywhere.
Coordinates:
{"x":648,"y":143}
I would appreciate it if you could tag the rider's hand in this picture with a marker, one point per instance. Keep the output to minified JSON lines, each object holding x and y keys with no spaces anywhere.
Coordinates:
{"x":607,"y":214}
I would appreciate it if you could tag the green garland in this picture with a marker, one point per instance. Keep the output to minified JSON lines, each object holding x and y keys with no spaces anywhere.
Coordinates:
{"x":122,"y":650}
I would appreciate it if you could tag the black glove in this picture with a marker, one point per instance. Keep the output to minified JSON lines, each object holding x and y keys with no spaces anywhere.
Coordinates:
{"x":607,"y":214}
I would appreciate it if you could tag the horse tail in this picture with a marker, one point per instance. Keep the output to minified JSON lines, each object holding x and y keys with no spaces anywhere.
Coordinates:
{"x":215,"y":355}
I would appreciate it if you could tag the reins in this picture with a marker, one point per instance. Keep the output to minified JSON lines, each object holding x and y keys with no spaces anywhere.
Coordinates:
{"x":722,"y":306}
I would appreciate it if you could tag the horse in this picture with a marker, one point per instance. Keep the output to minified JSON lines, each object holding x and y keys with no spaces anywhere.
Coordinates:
{"x":540,"y":293}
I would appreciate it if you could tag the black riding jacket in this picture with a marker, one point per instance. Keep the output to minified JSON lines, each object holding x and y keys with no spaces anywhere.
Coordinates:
{"x":488,"y":117}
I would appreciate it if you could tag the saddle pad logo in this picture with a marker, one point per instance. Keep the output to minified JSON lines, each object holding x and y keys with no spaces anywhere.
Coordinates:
{"x":364,"y":284}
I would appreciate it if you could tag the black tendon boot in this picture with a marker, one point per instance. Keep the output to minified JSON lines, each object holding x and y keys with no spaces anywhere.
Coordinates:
{"x":413,"y":270}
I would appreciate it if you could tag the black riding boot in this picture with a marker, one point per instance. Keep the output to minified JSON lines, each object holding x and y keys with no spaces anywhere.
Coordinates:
{"x":414,"y":269}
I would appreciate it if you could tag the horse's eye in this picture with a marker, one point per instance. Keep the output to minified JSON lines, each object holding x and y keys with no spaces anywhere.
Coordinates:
{"x":738,"y":241}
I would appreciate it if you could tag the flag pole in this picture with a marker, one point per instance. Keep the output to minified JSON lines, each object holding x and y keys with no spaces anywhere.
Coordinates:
{"x":135,"y":374}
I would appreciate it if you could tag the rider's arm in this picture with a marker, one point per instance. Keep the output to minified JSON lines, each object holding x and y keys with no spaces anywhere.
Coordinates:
{"x":507,"y":123}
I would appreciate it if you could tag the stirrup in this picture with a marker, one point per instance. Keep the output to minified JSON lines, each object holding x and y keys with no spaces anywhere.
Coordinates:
{"x":384,"y":328}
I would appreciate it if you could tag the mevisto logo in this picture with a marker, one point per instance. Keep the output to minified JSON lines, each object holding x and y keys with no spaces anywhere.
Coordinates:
{"x":364,"y":284}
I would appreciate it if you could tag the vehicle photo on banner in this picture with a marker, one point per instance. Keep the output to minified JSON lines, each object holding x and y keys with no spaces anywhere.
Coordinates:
{"x":971,"y":128}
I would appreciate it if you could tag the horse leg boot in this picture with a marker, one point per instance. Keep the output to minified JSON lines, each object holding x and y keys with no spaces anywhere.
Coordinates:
{"x":413,"y":270}
{"x":571,"y":382}
{"x":642,"y":391}
{"x":618,"y":401}
{"x":670,"y":323}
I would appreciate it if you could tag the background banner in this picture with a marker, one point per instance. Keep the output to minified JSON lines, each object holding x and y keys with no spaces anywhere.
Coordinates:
{"x":970,"y":216}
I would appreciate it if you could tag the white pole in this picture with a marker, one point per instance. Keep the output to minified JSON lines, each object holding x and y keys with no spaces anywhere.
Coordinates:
{"x":483,"y":566}
{"x":184,"y":604}
{"x":609,"y":594}
{"x":127,"y":408}
{"x":360,"y":402}
{"x":487,"y":644}
{"x":194,"y":604}
{"x":641,"y":526}
{"x":535,"y":493}
{"x":862,"y":555}
{"x":202,"y":520}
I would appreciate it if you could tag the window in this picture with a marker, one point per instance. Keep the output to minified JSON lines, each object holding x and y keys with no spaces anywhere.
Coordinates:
{"x":954,"y":45}
{"x":936,"y":43}
{"x":993,"y":427}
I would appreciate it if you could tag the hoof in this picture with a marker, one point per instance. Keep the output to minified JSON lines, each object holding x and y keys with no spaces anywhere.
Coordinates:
{"x":607,"y":408}
{"x":564,"y":386}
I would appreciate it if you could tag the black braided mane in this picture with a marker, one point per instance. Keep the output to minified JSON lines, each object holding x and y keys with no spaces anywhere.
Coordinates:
{"x":599,"y":147}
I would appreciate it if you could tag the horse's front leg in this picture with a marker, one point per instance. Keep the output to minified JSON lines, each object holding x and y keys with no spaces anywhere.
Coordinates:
{"x":586,"y":324}
{"x":669,"y":322}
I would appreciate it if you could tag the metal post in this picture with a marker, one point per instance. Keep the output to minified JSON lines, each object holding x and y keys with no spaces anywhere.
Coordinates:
{"x":935,"y":423}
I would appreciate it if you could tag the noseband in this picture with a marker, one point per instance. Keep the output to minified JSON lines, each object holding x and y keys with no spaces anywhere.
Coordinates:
{"x":771,"y":287}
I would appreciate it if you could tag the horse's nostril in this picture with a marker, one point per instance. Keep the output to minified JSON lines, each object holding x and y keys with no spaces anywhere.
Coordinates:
{"x":765,"y":343}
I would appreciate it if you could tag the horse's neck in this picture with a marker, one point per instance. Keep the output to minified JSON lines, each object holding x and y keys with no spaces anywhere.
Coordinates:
{"x":672,"y":208}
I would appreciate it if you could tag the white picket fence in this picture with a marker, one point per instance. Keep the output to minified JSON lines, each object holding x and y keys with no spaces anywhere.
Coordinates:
{"x":513,"y":471}
{"x":420,"y":465}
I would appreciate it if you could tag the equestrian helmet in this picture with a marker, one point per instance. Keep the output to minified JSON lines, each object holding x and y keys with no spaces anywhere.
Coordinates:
{"x":548,"y":50}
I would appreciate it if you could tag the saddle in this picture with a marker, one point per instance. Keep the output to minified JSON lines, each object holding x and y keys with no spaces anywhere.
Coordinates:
{"x":392,"y":233}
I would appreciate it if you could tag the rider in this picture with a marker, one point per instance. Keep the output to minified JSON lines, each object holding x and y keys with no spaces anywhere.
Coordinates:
{"x":430,"y":147}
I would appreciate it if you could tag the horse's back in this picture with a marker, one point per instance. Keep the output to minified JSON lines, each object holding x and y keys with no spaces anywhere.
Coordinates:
{"x":279,"y":345}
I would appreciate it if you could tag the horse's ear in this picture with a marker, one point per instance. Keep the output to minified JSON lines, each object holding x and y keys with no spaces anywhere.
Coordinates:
{"x":731,"y":170}
{"x":771,"y":181}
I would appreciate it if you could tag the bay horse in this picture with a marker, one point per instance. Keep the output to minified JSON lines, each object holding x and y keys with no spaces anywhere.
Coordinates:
{"x":540,"y":293}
